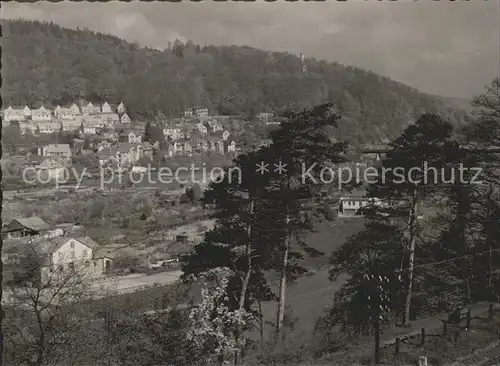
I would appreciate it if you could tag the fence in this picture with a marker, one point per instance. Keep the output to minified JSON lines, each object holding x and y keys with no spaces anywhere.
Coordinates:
{"x":454,"y":320}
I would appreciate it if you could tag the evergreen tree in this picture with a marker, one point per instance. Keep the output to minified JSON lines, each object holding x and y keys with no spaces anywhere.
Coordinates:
{"x":147,"y":132}
{"x":420,"y":165}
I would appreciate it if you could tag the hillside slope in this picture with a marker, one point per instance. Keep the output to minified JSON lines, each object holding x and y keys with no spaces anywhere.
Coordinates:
{"x":43,"y":62}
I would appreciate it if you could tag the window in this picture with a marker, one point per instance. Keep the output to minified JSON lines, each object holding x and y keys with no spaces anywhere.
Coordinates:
{"x":72,"y":245}
{"x":71,"y":266}
{"x":85,"y":253}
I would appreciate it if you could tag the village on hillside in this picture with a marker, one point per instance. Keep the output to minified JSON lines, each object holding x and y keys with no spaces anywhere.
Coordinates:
{"x":108,"y":134}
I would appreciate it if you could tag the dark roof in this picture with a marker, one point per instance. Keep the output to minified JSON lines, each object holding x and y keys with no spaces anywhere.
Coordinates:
{"x":106,"y":252}
{"x":33,"y":223}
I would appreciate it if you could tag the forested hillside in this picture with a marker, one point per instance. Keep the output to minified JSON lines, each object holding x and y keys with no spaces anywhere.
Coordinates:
{"x":44,"y":63}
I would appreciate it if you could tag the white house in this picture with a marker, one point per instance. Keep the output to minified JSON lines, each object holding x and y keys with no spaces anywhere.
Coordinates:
{"x":90,"y":126}
{"x":57,"y":150}
{"x":65,"y":113}
{"x":231,"y":147}
{"x":90,"y":109}
{"x":173,"y":132}
{"x":27,"y":127}
{"x":106,"y":108}
{"x":125,"y":118}
{"x":72,"y":125}
{"x":134,"y":139}
{"x":48,"y":127}
{"x":71,"y":254}
{"x":196,"y":112}
{"x":264,"y":116}
{"x":75,"y":109}
{"x":41,"y":114}
{"x":10,"y":114}
{"x":214,"y":126}
{"x":201,"y":128}
{"x":109,"y":119}
{"x":27,"y":112}
{"x":351,"y":206}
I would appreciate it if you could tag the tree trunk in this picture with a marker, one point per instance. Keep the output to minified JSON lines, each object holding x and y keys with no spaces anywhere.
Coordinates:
{"x":41,"y":340}
{"x":1,"y":287}
{"x":261,"y":324}
{"x":283,"y":279}
{"x":411,"y":261}
{"x":490,"y":267}
{"x":246,"y":280}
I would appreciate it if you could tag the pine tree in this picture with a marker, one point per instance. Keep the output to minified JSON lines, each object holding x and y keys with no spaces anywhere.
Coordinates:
{"x":424,"y":147}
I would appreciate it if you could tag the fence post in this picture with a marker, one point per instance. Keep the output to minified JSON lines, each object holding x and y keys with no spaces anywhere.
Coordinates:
{"x":445,"y":328}
{"x":422,"y":338}
{"x":490,"y":311}
{"x":398,"y":344}
{"x":468,"y":318}
{"x":456,"y":338}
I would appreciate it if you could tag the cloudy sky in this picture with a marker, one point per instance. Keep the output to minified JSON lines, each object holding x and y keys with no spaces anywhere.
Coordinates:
{"x":440,"y":47}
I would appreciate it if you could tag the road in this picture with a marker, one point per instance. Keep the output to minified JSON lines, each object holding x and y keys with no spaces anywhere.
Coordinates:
{"x":135,"y":282}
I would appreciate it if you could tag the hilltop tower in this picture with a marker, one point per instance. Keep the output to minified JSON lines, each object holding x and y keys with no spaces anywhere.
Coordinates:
{"x":302,"y":61}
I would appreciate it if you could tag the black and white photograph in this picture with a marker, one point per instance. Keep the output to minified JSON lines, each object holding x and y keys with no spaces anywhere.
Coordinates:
{"x":250,"y":183}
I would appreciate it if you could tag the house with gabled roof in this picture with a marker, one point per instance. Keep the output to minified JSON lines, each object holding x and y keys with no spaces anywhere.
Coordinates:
{"x":90,"y":109}
{"x":67,"y":254}
{"x":48,"y":126}
{"x":230,"y":146}
{"x":123,"y":153}
{"x":125,"y":119}
{"x":41,"y":114}
{"x":213,"y":125}
{"x":22,"y":227}
{"x":106,"y":108}
{"x":134,"y":138}
{"x":65,"y":113}
{"x":110,"y":120}
{"x":57,"y":150}
{"x":121,"y":108}
{"x":92,"y":124}
{"x":11,"y":114}
{"x":216,"y":144}
{"x":27,"y":127}
{"x":196,"y":112}
{"x":27,"y":112}
{"x":201,"y":128}
{"x":50,"y":169}
{"x":72,"y":125}
{"x":75,"y":109}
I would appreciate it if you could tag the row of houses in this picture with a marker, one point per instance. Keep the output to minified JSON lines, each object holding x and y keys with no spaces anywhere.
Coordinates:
{"x":89,"y":125}
{"x":65,"y":113}
{"x":203,"y":112}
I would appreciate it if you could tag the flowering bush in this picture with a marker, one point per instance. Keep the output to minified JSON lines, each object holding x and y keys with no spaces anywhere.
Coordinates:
{"x":212,"y":324}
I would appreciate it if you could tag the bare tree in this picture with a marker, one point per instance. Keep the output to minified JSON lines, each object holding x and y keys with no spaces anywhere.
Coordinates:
{"x":43,"y":317}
